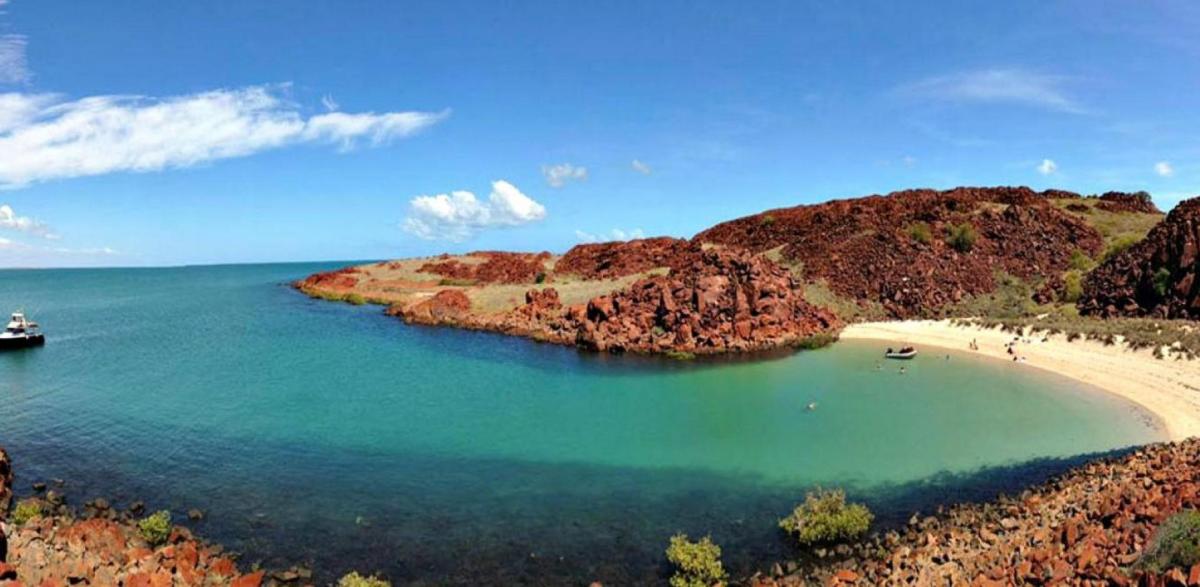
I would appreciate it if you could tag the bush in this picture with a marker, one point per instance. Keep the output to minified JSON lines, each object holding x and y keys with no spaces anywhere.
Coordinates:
{"x":1072,"y":286}
{"x":356,"y":580}
{"x":541,"y":278}
{"x":680,"y":355}
{"x":356,"y":299}
{"x":1176,"y":544}
{"x":27,"y":509}
{"x":767,"y":220}
{"x":1119,"y":246}
{"x":1080,"y":261}
{"x":816,"y":341}
{"x":697,"y":564}
{"x":962,"y":237}
{"x":920,"y":232}
{"x":826,"y":517}
{"x":156,"y":527}
{"x":1162,"y":281}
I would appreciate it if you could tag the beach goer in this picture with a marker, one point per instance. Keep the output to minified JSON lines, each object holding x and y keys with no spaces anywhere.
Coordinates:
{"x":903,"y":370}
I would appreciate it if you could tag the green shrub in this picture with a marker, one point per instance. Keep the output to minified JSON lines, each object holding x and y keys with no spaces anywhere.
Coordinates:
{"x":697,"y":564}
{"x":27,"y":509}
{"x":356,"y":299}
{"x":1176,"y":544}
{"x":1119,"y":246}
{"x":826,"y":517}
{"x":816,"y":341}
{"x":454,"y":281}
{"x":156,"y":527}
{"x":767,"y":220}
{"x":1072,"y":286}
{"x":1080,"y":261}
{"x":962,"y":237}
{"x":920,"y":232}
{"x":356,"y":580}
{"x":1162,"y":281}
{"x":680,"y":355}
{"x":541,"y":278}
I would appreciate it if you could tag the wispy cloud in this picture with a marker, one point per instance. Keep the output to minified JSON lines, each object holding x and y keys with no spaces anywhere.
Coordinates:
{"x":1047,"y":167}
{"x":640,"y":167}
{"x":329,"y":103}
{"x":43,"y":137}
{"x":1164,"y":169}
{"x":13,"y":67}
{"x":459,"y":215}
{"x":11,"y":221}
{"x":559,"y":175}
{"x":615,"y":234}
{"x":1012,"y":86}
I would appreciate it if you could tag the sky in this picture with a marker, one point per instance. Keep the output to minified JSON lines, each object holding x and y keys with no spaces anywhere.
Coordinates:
{"x":138,"y":133}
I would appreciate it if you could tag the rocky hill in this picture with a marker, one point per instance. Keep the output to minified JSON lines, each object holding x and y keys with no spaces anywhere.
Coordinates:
{"x":918,"y":251}
{"x":1155,"y":277}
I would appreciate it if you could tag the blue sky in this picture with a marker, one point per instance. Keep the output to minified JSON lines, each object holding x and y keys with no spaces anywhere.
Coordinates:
{"x":151,"y":133}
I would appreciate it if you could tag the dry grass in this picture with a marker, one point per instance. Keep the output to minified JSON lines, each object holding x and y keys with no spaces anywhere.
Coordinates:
{"x":1169,"y":339}
{"x":1115,"y":227}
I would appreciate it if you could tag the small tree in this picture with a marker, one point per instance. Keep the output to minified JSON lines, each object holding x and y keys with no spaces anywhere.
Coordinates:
{"x":962,"y":237}
{"x":156,"y":527}
{"x":1072,"y":286}
{"x":826,"y":517}
{"x":1162,"y":281}
{"x":697,"y":564}
{"x":1176,"y":544}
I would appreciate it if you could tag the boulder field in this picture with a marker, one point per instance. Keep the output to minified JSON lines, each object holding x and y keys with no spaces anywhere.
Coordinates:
{"x":1159,"y":276}
{"x":897,"y":249}
{"x":1088,"y":527}
{"x":104,"y":547}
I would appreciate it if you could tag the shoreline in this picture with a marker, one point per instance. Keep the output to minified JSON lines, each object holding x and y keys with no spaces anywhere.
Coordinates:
{"x":1160,"y":386}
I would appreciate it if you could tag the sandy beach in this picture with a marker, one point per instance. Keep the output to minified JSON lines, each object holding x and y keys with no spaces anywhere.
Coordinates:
{"x":1169,"y":389}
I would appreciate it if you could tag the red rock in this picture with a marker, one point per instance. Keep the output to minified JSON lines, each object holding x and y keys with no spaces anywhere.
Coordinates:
{"x":447,"y":306}
{"x":7,"y":572}
{"x":1128,"y":283}
{"x":498,"y":267}
{"x":846,"y":576}
{"x":251,"y":580}
{"x":618,"y":259}
{"x":864,"y":250}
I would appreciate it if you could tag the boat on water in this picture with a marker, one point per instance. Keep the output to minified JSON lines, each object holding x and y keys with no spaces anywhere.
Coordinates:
{"x":21,"y":333}
{"x":903,"y":354}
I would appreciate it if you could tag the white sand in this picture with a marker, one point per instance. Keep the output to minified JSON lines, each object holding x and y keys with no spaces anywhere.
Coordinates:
{"x":1168,"y":388}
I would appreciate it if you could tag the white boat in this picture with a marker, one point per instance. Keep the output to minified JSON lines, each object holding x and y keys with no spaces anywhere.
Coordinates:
{"x":21,"y":333}
{"x":904,"y":354}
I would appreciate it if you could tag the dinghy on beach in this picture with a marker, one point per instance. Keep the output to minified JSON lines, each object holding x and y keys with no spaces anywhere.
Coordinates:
{"x":903,"y":354}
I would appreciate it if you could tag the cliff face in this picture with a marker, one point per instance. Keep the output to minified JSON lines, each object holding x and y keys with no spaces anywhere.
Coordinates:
{"x":900,"y":249}
{"x":1155,"y":277}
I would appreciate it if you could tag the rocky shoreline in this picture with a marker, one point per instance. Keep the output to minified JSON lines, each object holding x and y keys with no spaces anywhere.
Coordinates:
{"x":1089,"y":526}
{"x":102,"y":545}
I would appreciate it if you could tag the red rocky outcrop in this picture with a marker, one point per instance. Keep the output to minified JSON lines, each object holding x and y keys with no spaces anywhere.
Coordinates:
{"x":1159,"y":276}
{"x":618,"y":259}
{"x":498,"y":267}
{"x":340,"y":279}
{"x":1138,"y":202}
{"x":446,"y":307}
{"x":715,"y":301}
{"x":865,"y":248}
{"x":1088,"y":527}
{"x":6,"y":479}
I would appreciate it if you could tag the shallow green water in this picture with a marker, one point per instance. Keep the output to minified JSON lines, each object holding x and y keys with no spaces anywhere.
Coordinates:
{"x":331,"y":433}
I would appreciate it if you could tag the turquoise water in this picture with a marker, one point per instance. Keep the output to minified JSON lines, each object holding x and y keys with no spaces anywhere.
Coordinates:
{"x":333,"y":435}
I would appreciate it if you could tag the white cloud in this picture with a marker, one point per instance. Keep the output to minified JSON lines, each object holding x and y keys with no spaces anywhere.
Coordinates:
{"x":615,"y":234}
{"x":641,"y":168}
{"x":329,"y":103}
{"x":13,"y":67}
{"x":9,"y":220}
{"x":46,"y":138}
{"x":558,"y":175}
{"x":1014,"y":86}
{"x":1047,"y":166}
{"x":1164,"y":169}
{"x":459,"y":215}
